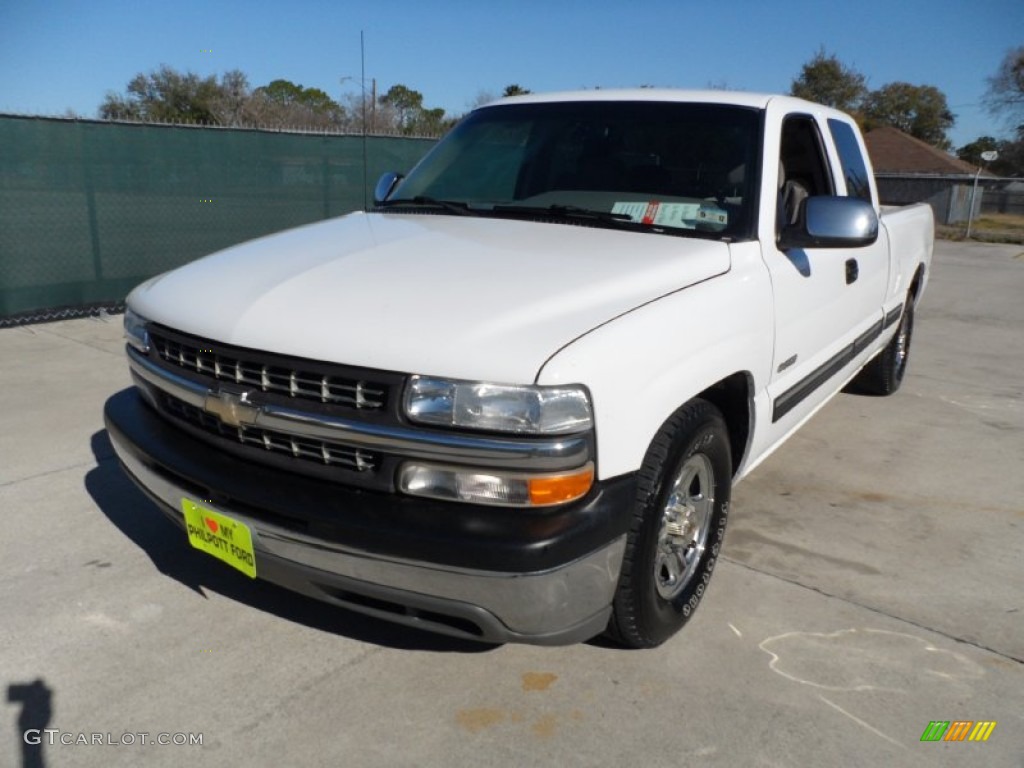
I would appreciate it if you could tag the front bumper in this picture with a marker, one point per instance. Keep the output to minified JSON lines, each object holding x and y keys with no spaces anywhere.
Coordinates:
{"x":498,"y":575}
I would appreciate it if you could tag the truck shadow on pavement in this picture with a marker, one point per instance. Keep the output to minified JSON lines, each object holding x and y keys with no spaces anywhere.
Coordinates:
{"x":143,"y":523}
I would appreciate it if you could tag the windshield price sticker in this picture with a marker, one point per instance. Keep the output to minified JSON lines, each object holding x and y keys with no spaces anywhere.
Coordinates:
{"x":681,"y":215}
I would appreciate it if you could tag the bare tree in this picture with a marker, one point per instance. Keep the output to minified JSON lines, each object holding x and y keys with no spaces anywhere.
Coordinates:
{"x":230,"y":107}
{"x":482,"y":97}
{"x":1005,"y":94}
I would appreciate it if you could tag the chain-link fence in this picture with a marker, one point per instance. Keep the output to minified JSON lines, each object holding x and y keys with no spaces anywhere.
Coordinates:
{"x":89,"y":209}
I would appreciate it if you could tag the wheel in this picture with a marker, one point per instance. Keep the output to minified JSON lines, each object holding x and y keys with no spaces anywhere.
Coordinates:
{"x":884,"y":374}
{"x":678,"y":525}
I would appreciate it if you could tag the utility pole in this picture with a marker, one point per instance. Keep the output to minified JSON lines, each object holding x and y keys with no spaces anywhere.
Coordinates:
{"x":986,"y":157}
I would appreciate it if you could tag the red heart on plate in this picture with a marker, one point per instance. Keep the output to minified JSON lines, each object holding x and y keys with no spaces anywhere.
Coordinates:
{"x":211,"y":524}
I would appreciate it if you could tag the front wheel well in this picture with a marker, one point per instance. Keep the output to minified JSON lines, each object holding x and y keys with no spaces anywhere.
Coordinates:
{"x":733,"y":396}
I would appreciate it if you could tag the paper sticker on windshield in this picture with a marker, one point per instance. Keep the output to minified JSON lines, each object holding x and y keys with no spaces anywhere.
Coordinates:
{"x":636,"y":211}
{"x":715,"y":218}
{"x":682,"y":215}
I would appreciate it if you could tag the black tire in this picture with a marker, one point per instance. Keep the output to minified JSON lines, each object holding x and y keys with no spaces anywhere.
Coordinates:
{"x":678,"y":526}
{"x":884,"y":374}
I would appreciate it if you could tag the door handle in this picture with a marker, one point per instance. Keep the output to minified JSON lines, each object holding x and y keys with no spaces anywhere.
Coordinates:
{"x":852,"y":270}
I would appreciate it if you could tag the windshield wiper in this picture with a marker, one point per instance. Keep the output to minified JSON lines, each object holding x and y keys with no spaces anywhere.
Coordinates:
{"x":567,"y":212}
{"x":452,"y":206}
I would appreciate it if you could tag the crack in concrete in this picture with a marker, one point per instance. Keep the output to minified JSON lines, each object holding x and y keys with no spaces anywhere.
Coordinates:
{"x":94,"y":462}
{"x":878,"y":611}
{"x":306,"y":687}
{"x":51,"y":332}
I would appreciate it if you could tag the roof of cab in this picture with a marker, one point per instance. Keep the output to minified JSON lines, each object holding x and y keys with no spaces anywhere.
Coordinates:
{"x":737,"y":98}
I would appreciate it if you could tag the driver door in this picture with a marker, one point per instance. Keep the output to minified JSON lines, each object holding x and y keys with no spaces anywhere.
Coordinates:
{"x":827,"y":300}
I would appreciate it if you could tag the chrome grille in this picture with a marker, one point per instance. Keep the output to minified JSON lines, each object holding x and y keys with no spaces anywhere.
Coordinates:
{"x":301,"y":384}
{"x":309,"y":449}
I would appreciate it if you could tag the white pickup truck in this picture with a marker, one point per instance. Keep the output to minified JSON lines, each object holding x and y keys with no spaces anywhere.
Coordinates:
{"x":509,"y":402}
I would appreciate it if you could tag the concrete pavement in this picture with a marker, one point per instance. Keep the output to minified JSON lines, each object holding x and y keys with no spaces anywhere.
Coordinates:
{"x":871,"y":583}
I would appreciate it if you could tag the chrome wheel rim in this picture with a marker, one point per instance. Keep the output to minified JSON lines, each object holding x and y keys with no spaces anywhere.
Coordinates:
{"x":685,"y":522}
{"x":902,"y":343}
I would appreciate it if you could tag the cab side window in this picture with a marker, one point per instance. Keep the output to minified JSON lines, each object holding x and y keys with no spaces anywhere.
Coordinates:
{"x":803,"y":167}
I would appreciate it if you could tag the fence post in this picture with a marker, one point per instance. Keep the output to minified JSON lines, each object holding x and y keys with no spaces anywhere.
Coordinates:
{"x":970,"y":213}
{"x":90,"y":204}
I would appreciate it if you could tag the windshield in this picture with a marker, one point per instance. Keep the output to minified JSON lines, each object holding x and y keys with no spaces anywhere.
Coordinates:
{"x":675,"y":168}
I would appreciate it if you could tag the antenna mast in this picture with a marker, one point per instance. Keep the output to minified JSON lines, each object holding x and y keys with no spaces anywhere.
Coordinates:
{"x":362,"y":89}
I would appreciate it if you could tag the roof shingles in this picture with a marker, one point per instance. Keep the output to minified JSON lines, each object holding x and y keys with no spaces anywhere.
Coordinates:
{"x":893,"y":151}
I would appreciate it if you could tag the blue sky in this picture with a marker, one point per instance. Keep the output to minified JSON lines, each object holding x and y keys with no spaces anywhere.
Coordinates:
{"x":60,"y":54}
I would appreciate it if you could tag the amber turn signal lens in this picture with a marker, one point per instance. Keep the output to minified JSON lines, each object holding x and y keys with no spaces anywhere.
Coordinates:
{"x":558,"y":489}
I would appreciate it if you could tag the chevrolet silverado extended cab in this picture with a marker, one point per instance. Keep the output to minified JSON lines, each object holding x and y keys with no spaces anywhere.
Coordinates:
{"x":509,"y":403}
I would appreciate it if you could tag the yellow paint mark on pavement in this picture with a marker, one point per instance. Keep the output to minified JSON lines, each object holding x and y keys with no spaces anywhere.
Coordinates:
{"x":538,"y":681}
{"x":476,"y":720}
{"x":545,"y":727}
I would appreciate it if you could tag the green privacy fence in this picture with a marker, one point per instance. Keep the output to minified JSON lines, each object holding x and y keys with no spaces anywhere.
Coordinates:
{"x":89,"y":209}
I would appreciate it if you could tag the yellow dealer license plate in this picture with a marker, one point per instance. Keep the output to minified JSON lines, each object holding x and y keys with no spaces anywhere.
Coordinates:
{"x":218,"y":535}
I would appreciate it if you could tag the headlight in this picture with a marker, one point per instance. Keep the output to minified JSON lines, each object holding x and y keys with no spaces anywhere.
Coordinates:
{"x":498,"y":407}
{"x":135,"y":332}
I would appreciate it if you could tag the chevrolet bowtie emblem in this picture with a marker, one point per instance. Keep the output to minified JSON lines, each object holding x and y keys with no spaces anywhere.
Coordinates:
{"x":232,"y":408}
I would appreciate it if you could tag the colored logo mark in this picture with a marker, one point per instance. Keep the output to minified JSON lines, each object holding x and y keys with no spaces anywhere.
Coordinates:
{"x":958,"y":730}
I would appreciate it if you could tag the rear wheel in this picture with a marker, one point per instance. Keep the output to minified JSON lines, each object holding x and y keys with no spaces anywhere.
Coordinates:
{"x":678,"y":526}
{"x":884,"y":374}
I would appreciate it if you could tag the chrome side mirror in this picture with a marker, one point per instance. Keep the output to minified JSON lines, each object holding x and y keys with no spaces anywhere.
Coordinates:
{"x":385,"y":186}
{"x":832,"y":222}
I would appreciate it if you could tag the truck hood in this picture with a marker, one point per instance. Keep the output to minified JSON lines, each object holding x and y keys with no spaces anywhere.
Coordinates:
{"x":462,"y":297}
